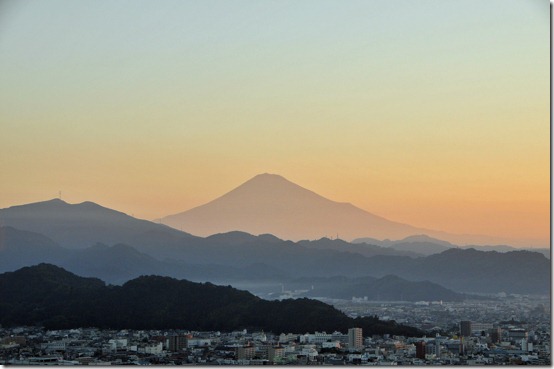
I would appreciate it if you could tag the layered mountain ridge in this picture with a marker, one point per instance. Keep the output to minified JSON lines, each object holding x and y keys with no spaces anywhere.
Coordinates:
{"x":109,"y":244}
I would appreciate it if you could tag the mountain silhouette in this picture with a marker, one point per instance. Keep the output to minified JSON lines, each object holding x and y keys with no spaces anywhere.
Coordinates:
{"x":21,"y":248}
{"x":421,"y":244}
{"x":388,"y":288}
{"x":78,"y":226}
{"x":269,"y":203}
{"x":425,"y":245}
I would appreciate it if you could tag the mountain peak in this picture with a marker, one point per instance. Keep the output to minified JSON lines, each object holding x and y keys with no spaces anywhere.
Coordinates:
{"x":270,"y":203}
{"x":268,"y":179}
{"x":55,"y":201}
{"x":267,"y":188}
{"x":268,"y":175}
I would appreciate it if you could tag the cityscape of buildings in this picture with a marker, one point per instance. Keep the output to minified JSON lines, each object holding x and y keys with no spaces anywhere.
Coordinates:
{"x":515,"y":330}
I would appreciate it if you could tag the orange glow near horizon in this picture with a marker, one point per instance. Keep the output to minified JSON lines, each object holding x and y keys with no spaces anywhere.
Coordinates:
{"x":438,"y":117}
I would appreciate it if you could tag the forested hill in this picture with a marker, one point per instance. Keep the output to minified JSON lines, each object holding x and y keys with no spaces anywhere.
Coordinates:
{"x":50,"y":296}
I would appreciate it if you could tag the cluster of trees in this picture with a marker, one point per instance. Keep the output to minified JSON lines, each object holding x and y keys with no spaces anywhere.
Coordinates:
{"x":50,"y":296}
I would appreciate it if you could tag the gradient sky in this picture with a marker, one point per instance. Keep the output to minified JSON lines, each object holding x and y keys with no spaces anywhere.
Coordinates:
{"x":429,"y":112}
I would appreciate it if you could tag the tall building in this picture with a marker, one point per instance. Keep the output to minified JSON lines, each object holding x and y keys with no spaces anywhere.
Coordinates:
{"x":246,"y":352}
{"x":275,"y":353}
{"x":480,"y":329}
{"x":355,"y":338}
{"x":433,"y":348}
{"x":177,"y":343}
{"x":495,"y":334}
{"x":465,"y":328}
{"x":420,"y":349}
{"x":518,"y":334}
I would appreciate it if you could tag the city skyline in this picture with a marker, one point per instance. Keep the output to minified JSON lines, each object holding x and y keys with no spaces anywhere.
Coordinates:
{"x":431,"y":113}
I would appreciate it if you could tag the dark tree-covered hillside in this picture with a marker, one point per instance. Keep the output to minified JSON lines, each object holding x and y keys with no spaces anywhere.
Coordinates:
{"x":50,"y":296}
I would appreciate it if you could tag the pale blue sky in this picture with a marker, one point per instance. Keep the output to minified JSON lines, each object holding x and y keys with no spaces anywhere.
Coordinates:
{"x":344,"y":97}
